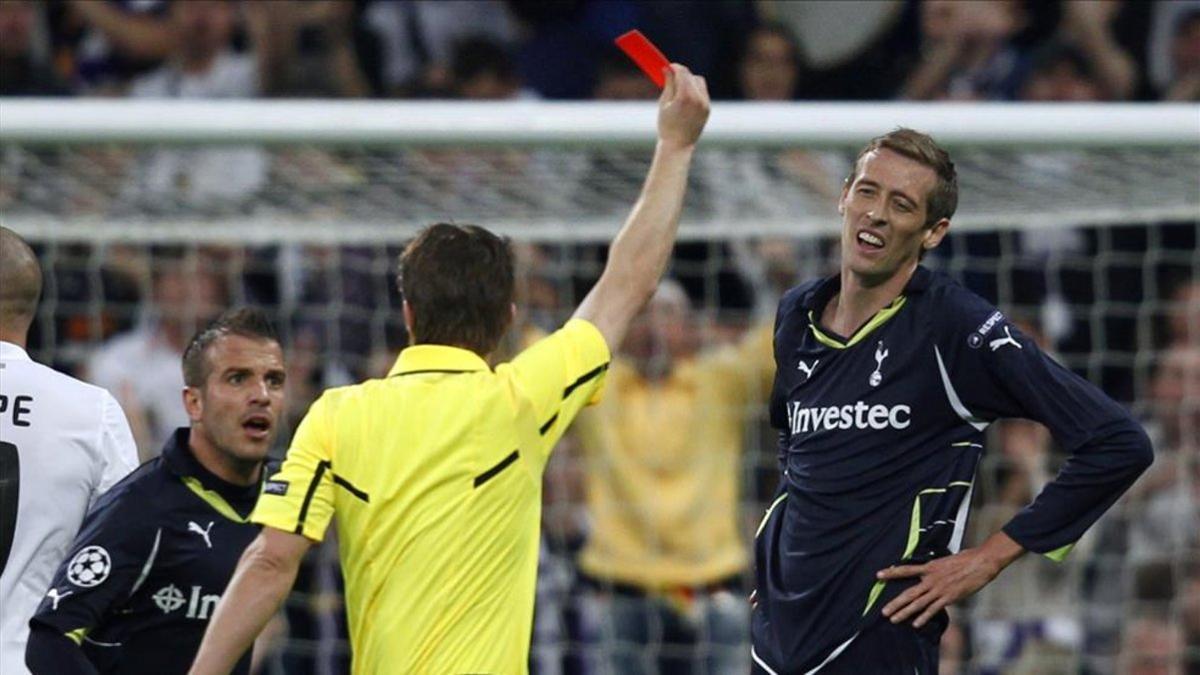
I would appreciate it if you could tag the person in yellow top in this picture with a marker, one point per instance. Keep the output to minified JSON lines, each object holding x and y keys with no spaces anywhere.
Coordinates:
{"x":662,"y":454}
{"x":434,"y":473}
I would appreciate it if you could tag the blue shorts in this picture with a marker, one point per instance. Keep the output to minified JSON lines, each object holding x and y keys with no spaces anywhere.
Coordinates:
{"x":884,"y":648}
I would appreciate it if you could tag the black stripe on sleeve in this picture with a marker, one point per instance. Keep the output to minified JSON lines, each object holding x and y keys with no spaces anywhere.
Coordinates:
{"x":491,"y":473}
{"x":312,"y":489}
{"x":583,"y":379}
{"x":350,"y":487}
{"x":549,"y":423}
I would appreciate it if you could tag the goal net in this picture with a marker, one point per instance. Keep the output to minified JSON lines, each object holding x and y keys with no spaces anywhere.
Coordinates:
{"x":1081,"y":222}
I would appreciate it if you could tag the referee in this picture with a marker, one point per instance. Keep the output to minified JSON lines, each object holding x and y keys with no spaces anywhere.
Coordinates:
{"x":434,"y":473}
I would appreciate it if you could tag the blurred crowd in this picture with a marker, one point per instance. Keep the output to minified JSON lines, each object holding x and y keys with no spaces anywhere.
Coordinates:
{"x":998,"y":50}
{"x":646,"y":529}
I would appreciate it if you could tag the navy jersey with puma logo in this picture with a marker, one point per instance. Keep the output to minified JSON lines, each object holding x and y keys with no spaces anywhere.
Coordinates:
{"x":881,"y":434}
{"x":148,"y":568}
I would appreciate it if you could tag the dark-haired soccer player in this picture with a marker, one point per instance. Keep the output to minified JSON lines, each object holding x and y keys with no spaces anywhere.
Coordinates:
{"x":434,"y":474}
{"x":146,"y":571}
{"x":886,"y":376}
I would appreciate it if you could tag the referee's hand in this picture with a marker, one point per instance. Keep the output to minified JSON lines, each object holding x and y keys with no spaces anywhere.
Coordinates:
{"x":945,"y":581}
{"x":682,"y":108}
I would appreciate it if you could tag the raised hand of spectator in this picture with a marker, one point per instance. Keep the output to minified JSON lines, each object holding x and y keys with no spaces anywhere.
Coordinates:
{"x":1089,"y":15}
{"x":990,"y":22}
{"x":1087,"y":24}
{"x":335,"y":17}
{"x":138,"y":36}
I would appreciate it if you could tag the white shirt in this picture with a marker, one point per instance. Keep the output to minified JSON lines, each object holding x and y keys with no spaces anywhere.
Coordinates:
{"x":72,"y":443}
{"x":215,"y":172}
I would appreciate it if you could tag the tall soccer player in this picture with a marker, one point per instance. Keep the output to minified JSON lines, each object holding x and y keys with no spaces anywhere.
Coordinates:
{"x":886,"y":376}
{"x":434,"y":474}
{"x":62,"y":444}
{"x":146,"y":571}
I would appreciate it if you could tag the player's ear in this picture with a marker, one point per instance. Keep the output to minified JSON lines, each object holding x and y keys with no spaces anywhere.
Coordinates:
{"x":935,"y":233}
{"x":193,"y":403}
{"x":842,"y":198}
{"x":408,"y":319}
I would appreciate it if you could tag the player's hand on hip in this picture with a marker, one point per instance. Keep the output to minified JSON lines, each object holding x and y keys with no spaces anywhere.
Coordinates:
{"x":943,"y":582}
{"x":682,"y":108}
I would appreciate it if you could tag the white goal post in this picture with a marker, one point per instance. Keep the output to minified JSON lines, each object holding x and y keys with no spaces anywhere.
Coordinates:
{"x":1022,"y":166}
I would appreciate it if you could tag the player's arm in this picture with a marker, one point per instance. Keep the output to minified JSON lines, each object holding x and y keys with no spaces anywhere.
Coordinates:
{"x":261,"y":583}
{"x":639,"y":253}
{"x":116,"y":545}
{"x":1005,"y":374}
{"x":118,"y":450}
{"x":294,"y":508}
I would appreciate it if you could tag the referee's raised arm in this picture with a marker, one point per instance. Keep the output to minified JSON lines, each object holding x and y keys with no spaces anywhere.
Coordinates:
{"x":639,"y":253}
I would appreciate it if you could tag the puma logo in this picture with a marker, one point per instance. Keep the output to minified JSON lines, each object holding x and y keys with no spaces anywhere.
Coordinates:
{"x":55,"y":596}
{"x":807,"y":369}
{"x":1007,"y":340}
{"x":203,"y":532}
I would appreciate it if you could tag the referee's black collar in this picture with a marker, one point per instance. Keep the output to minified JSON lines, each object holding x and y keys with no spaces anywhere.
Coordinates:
{"x":823,"y":292}
{"x":436,"y":359}
{"x":179,"y":460}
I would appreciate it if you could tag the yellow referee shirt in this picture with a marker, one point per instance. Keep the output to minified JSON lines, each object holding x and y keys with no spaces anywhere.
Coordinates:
{"x":434,"y":475}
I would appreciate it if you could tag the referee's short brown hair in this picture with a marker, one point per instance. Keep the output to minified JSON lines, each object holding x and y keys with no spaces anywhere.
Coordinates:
{"x":458,"y":282}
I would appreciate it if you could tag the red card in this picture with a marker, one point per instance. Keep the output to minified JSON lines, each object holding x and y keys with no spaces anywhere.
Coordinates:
{"x":645,"y":55}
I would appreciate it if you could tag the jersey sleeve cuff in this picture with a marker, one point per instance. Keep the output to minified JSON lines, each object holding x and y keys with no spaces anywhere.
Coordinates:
{"x":1057,"y":555}
{"x":593,"y":350}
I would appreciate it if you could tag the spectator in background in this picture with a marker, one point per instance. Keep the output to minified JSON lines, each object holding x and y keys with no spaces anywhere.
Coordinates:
{"x":108,"y":42}
{"x":662,"y":454}
{"x":306,"y":49}
{"x":1173,"y":50}
{"x":141,"y":367}
{"x":969,"y":51}
{"x":1190,"y":599}
{"x":618,"y":79}
{"x":202,"y":64}
{"x":417,"y":39}
{"x":1059,"y":72}
{"x":1087,"y":25}
{"x":1153,"y":644}
{"x":1165,"y":520}
{"x":1184,"y":314}
{"x":771,"y":68}
{"x":771,"y":64}
{"x":24,"y":62}
{"x":1185,"y":60}
{"x":482,"y":69}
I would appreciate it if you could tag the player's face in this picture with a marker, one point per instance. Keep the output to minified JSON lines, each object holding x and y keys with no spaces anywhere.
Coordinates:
{"x":241,"y":403}
{"x":884,"y":210}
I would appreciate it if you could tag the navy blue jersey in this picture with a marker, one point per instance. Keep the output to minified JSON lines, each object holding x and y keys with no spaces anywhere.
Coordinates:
{"x":150,"y":564}
{"x":880,"y":437}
